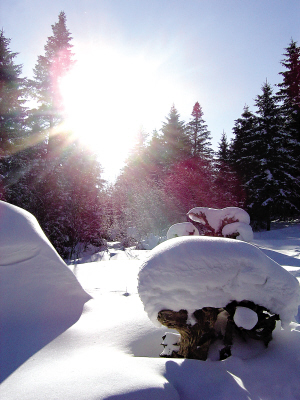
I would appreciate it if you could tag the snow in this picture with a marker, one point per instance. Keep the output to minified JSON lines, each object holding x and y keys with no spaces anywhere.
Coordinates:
{"x":245,"y":318}
{"x":198,"y":271}
{"x":170,"y":343}
{"x":235,"y":219}
{"x":215,"y":216}
{"x":182,"y":229}
{"x":111,"y":352}
{"x":244,"y":231}
{"x":39,"y":294}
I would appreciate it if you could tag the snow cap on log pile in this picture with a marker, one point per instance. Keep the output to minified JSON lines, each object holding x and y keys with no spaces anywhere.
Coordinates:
{"x":215,"y":216}
{"x":224,"y":222}
{"x":199,"y":271}
{"x":182,"y":229}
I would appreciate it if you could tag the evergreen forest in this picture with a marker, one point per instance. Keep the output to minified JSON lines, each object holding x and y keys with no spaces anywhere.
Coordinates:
{"x":45,"y":170}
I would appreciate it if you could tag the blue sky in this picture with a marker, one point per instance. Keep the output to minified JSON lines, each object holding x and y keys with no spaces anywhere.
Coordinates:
{"x":217,"y":52}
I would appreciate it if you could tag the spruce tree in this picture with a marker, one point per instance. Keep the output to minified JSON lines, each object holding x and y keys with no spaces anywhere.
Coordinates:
{"x":274,"y":184}
{"x":48,"y":73}
{"x":12,"y":121}
{"x":67,"y":185}
{"x":241,"y":149}
{"x":223,"y":153}
{"x":228,"y":191}
{"x":289,"y":94}
{"x":175,"y":141}
{"x":199,"y":135}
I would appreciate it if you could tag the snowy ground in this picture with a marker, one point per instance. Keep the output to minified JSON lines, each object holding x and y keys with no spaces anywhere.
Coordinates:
{"x":112,"y":351}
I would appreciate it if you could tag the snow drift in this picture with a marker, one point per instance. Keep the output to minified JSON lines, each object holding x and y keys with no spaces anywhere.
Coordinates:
{"x":39,"y":294}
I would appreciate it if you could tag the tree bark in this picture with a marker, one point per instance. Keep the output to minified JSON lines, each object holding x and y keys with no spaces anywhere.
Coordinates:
{"x":196,"y":338}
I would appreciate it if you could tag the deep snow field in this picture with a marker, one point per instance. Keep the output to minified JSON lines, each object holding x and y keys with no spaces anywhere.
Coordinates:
{"x":111,"y":350}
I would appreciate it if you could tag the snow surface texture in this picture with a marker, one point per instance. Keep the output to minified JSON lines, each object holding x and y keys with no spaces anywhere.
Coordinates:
{"x":112,"y":351}
{"x":245,"y":318}
{"x":182,"y":229}
{"x":235,"y":219}
{"x":170,"y":343}
{"x":195,"y":272}
{"x":38,"y":291}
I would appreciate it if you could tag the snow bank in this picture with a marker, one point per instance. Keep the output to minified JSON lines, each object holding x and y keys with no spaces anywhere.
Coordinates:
{"x":195,"y":272}
{"x":182,"y":229}
{"x":35,"y":281}
{"x":40,"y":296}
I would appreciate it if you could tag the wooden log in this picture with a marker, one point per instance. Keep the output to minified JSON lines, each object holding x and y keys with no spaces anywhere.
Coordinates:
{"x":195,"y":339}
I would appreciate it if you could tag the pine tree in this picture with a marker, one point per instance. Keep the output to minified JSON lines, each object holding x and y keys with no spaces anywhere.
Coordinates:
{"x":228,"y":191}
{"x":174,"y":139}
{"x":199,"y":136}
{"x":241,"y":152}
{"x":274,"y":184}
{"x":289,"y":94}
{"x":67,"y":182}
{"x":48,"y":73}
{"x":223,"y":153}
{"x":12,"y":120}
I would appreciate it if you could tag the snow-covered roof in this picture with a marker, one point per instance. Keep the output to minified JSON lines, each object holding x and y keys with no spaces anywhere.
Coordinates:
{"x":195,"y":272}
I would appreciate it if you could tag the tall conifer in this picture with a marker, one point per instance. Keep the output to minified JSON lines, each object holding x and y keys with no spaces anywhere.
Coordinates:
{"x":48,"y":73}
{"x":274,"y":184}
{"x":199,"y":135}
{"x":12,"y":120}
{"x":174,"y":139}
{"x":289,"y":94}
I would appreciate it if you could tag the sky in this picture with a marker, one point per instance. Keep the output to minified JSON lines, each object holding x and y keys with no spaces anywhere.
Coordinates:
{"x":136,"y":58}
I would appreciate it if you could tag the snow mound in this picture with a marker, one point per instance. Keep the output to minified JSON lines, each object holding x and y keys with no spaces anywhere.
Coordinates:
{"x":40,"y":296}
{"x":182,"y":229}
{"x":244,"y":231}
{"x":245,"y":318}
{"x":198,"y":271}
{"x":215,"y":220}
{"x":35,"y":282}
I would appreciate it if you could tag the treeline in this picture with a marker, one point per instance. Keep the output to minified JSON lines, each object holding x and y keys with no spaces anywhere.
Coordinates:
{"x":45,"y":170}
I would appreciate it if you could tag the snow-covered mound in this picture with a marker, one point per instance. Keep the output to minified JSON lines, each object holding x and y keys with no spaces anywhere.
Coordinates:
{"x":182,"y":229}
{"x":243,"y":231}
{"x":224,"y":222}
{"x":39,"y":294}
{"x":35,"y":282}
{"x":195,"y":272}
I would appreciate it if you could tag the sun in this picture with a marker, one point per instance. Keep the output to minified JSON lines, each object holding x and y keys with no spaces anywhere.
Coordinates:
{"x":110,"y":95}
